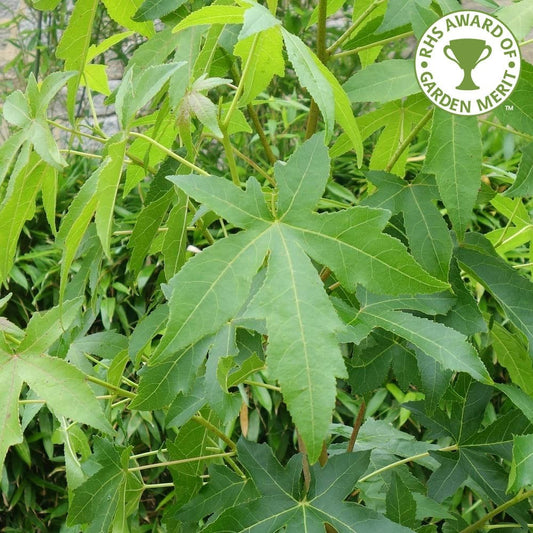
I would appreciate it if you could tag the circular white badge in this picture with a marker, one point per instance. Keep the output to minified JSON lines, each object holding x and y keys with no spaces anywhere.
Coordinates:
{"x":468,"y":63}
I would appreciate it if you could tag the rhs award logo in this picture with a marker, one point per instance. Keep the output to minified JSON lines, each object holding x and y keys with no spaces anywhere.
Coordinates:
{"x":468,"y":63}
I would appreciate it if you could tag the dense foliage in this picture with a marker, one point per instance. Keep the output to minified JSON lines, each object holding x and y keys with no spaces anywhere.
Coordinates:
{"x":285,"y":293}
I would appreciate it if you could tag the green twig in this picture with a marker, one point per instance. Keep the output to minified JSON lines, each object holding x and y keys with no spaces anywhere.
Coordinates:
{"x":148,"y":454}
{"x":513,"y":501}
{"x":76,"y":132}
{"x":508,"y":130}
{"x":312,"y":118}
{"x":201,"y":420}
{"x":109,"y":386}
{"x":181,"y":461}
{"x":240,"y":87}
{"x":264,"y":385}
{"x":158,"y":485}
{"x":261,"y":133}
{"x":169,"y":152}
{"x":230,"y":156}
{"x":408,"y":140}
{"x":356,"y":23}
{"x":255,"y":166}
{"x":372,"y":45}
{"x":124,"y":379}
{"x":452,"y":448}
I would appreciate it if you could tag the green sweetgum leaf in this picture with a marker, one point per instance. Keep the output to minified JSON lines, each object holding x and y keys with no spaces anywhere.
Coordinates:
{"x":481,"y":472}
{"x":154,"y":9}
{"x":454,"y":156}
{"x":282,"y":504}
{"x":513,"y":291}
{"x":383,"y":82}
{"x":267,"y":49}
{"x":428,"y":234}
{"x":401,"y":506}
{"x":59,"y":384}
{"x":521,"y":118}
{"x":213,"y":15}
{"x":224,"y":490}
{"x":213,"y":286}
{"x":523,"y":184}
{"x":443,"y":344}
{"x":522,"y":466}
{"x":399,"y":13}
{"x":110,"y":495}
{"x":139,"y":86}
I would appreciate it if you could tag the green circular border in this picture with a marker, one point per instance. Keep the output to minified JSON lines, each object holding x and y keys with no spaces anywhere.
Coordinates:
{"x":500,"y":22}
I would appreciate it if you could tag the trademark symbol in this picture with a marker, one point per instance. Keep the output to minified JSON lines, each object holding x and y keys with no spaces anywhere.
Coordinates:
{"x":509,"y":108}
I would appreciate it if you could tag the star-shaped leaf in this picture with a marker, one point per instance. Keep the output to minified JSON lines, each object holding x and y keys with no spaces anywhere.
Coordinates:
{"x":282,"y":504}
{"x":445,"y":345}
{"x":59,"y":384}
{"x":110,"y":494}
{"x":303,"y":352}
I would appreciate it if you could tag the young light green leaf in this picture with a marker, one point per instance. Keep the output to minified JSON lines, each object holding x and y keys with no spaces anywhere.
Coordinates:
{"x":10,"y":385}
{"x":46,"y":327}
{"x":213,"y":15}
{"x":521,"y":474}
{"x":311,"y":77}
{"x":106,"y":191}
{"x":18,"y":207}
{"x":399,"y":13}
{"x":343,"y":111}
{"x":523,"y":184}
{"x":75,"y":223}
{"x":139,"y":86}
{"x":9,"y":151}
{"x":518,"y":17}
{"x":156,"y":9}
{"x":521,"y":102}
{"x":268,"y":61}
{"x":74,"y":45}
{"x":454,"y":156}
{"x":123,"y":12}
{"x":388,"y":80}
{"x":205,"y":110}
{"x":514,"y":356}
{"x":17,"y":110}
{"x":332,"y":7}
{"x":64,"y":389}
{"x":257,"y":19}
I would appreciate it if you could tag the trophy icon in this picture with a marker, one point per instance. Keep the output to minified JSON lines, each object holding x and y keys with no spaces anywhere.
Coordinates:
{"x":467,"y":53}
